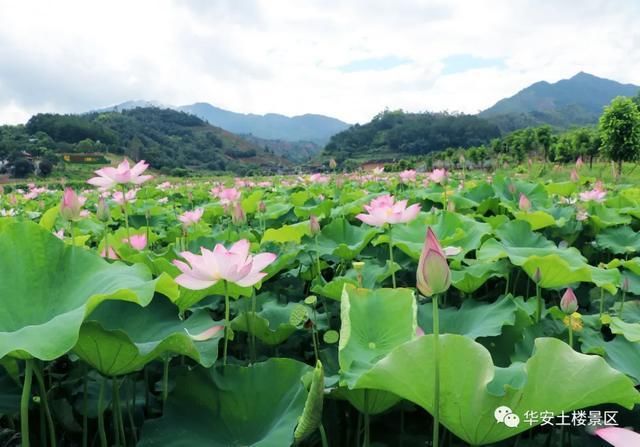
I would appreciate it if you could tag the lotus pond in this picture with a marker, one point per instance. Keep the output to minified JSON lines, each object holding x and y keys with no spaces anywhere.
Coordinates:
{"x":325,"y":310}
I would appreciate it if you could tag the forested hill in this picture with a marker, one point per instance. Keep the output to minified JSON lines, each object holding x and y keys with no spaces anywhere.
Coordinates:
{"x":576,"y":101}
{"x":165,"y":138}
{"x":396,"y":134}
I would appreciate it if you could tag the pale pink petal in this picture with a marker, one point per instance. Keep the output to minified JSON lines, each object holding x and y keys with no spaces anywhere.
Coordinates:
{"x":189,"y":282}
{"x":206,"y":335}
{"x":619,"y":437}
{"x":251,"y":279}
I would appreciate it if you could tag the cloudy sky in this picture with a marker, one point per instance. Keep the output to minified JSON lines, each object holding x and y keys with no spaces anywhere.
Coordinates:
{"x":344,"y":58}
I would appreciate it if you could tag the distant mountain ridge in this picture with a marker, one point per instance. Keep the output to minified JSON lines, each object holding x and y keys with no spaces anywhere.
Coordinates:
{"x":578,"y":100}
{"x":309,"y":127}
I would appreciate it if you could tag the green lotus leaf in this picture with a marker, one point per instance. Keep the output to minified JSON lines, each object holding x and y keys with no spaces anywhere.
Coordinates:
{"x":333,"y":289}
{"x":374,"y":322}
{"x":630,"y":331}
{"x":558,"y":379}
{"x":619,"y":240}
{"x":537,"y":219}
{"x":287,"y":233}
{"x":276,"y":209}
{"x":373,"y":274}
{"x":343,"y":240}
{"x":474,"y":319}
{"x":472,"y":277}
{"x":232,"y":407}
{"x":47,"y":288}
{"x":119,"y":338}
{"x":619,"y":353}
{"x":604,"y":217}
{"x":563,"y":189}
{"x":376,"y":401}
{"x":270,"y":325}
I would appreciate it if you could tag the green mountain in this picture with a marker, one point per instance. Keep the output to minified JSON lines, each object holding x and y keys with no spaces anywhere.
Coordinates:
{"x":396,"y":134}
{"x":576,"y":101}
{"x":309,"y":127}
{"x":165,"y":138}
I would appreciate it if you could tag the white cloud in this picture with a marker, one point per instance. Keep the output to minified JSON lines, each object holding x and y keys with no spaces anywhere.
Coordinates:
{"x":285,"y":56}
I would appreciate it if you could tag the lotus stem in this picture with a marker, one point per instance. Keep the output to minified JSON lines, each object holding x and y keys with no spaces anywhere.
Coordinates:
{"x":538,"y":303}
{"x":165,"y":382}
{"x":318,"y":259}
{"x":114,"y":412}
{"x":130,"y":413}
{"x":106,"y":240}
{"x":323,"y":436}
{"x":601,"y":301}
{"x":85,"y":419}
{"x":227,"y":323}
{"x":624,"y":296}
{"x":72,"y":230}
{"x":117,"y":412}
{"x":101,"y":431}
{"x":125,"y":211}
{"x":393,"y":273}
{"x":45,"y":405}
{"x":436,"y":376}
{"x":24,"y":403}
{"x":367,"y":427}
{"x":570,"y":335}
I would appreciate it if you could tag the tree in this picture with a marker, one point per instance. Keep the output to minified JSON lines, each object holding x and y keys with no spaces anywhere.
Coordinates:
{"x":45,"y":167}
{"x":544,"y":137}
{"x":620,"y":131}
{"x":22,"y":168}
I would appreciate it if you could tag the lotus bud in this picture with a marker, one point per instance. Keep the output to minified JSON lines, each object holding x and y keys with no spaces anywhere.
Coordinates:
{"x":332,"y":163}
{"x":237,"y":216}
{"x":262,"y":208}
{"x":524,"y":203}
{"x":537,"y":276}
{"x":574,"y":176}
{"x":314,"y":225}
{"x":71,"y":205}
{"x":103,"y":214}
{"x":433,"y":275}
{"x":569,"y":302}
{"x":358,"y":266}
{"x":451,"y":207}
{"x":579,"y":163}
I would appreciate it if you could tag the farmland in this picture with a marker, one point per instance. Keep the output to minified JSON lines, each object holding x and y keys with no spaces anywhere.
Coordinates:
{"x":327,"y":309}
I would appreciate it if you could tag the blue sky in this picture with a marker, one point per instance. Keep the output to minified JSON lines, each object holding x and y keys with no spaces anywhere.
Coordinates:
{"x":344,"y":58}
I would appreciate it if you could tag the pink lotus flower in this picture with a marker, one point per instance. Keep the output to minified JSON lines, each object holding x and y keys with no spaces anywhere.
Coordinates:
{"x":574,"y":176}
{"x":206,"y":335}
{"x":121,"y":198}
{"x":594,"y":195}
{"x":112,"y":254}
{"x":163,"y":200}
{"x":234,"y":265}
{"x":433,"y":275}
{"x":581,"y":215}
{"x":438,"y":175}
{"x":70,"y":207}
{"x":378,"y":171}
{"x":314,"y":225}
{"x":238,"y":216}
{"x":569,"y":302}
{"x":319,"y":178}
{"x":385,"y":209}
{"x":227,"y":196}
{"x":137,"y":241}
{"x":619,"y":437}
{"x":109,"y":177}
{"x":189,"y":218}
{"x":524,"y":203}
{"x":59,"y":234}
{"x":164,"y":186}
{"x":408,"y":176}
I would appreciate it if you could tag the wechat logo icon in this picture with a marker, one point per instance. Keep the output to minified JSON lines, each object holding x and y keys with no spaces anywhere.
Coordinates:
{"x":505,"y":416}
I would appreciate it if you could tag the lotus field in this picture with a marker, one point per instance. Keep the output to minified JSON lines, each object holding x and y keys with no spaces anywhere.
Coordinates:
{"x":382,"y":309}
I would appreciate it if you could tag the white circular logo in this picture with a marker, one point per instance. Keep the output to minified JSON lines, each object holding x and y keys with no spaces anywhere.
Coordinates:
{"x":504,"y":415}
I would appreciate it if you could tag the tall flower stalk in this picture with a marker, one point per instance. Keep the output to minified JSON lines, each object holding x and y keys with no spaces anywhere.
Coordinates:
{"x":432,"y":279}
{"x":384,"y":210}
